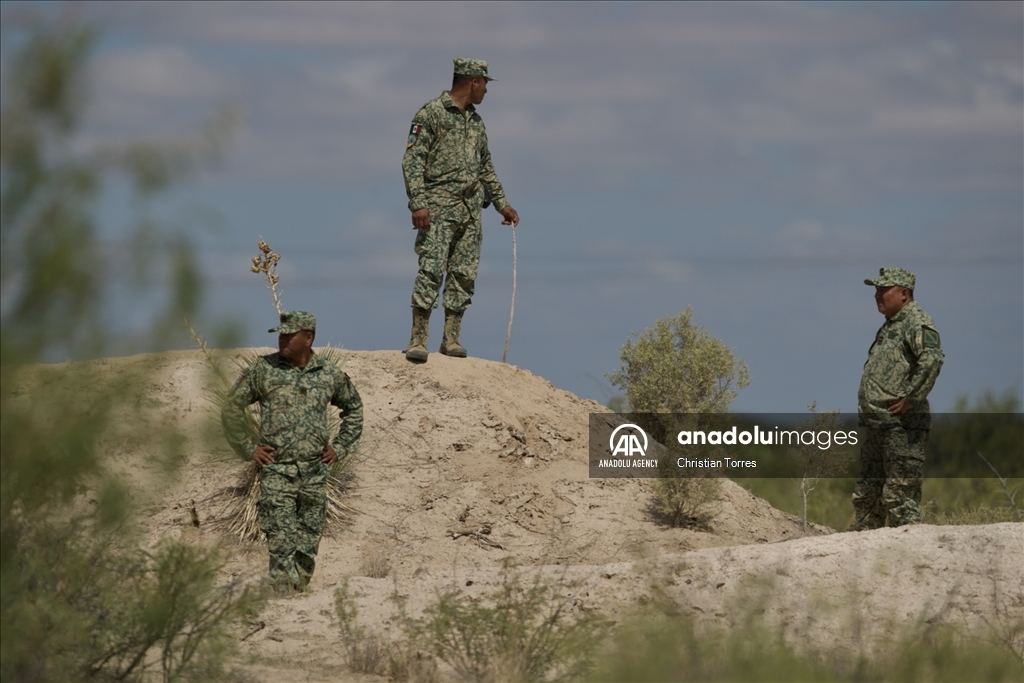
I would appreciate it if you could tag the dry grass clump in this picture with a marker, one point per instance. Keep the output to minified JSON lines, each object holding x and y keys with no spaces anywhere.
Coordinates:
{"x":365,"y":653}
{"x":376,"y":562}
{"x":654,"y":646}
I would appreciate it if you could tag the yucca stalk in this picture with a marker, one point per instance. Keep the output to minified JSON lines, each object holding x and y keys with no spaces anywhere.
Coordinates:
{"x":266,"y":262}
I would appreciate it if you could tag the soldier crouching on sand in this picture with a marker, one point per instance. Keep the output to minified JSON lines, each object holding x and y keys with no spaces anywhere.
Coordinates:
{"x":295,"y":451}
{"x":892,"y":403}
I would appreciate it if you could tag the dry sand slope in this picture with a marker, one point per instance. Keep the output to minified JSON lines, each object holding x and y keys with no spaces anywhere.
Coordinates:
{"x":454,"y":447}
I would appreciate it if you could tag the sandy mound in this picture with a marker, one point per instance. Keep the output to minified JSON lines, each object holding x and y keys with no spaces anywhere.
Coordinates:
{"x":466,"y":462}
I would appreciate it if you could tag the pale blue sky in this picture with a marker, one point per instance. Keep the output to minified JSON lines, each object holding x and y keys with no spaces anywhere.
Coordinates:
{"x":753,"y":161}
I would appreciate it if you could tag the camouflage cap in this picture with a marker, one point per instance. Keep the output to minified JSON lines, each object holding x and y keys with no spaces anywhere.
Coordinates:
{"x":472,"y":67}
{"x":294,"y":321}
{"x":889,"y":277}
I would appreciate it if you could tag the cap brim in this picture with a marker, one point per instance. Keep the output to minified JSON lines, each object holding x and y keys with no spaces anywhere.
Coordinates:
{"x":871,"y":283}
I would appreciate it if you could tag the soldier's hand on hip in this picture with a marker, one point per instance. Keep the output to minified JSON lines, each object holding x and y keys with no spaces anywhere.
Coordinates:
{"x":510,"y":215}
{"x":421,"y":219}
{"x":262,"y":455}
{"x":329,"y":457}
{"x":899,"y":406}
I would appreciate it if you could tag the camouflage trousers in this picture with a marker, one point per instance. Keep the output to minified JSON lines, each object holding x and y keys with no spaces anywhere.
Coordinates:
{"x":291,"y":512}
{"x":448,"y":247}
{"x":888,"y":492}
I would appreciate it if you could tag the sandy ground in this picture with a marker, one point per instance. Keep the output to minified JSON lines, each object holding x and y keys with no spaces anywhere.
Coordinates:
{"x":454,"y":447}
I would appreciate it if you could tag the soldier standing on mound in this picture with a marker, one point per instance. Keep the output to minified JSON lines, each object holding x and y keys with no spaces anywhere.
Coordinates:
{"x":892,"y":403}
{"x":295,"y":450}
{"x":449,"y":178}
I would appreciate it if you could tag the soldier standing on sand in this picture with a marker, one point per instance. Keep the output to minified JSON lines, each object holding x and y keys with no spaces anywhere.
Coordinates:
{"x":892,"y":404}
{"x":295,"y":451}
{"x":449,"y":178}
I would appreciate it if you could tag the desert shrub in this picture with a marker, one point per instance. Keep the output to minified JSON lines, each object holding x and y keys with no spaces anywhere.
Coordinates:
{"x":364,"y":653}
{"x":658,"y":647}
{"x":79,"y":599}
{"x":968,"y":514}
{"x":676,"y":367}
{"x":525,"y":630}
{"x":172,"y":616}
{"x":686,"y":501}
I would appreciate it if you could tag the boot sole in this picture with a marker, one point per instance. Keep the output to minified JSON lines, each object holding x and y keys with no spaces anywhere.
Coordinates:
{"x":453,"y":354}
{"x":416,"y":356}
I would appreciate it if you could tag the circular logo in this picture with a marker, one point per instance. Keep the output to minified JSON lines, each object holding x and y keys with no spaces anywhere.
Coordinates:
{"x":628,"y":444}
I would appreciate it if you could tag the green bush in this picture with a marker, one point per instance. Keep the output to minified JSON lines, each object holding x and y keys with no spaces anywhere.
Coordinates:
{"x":525,"y":630}
{"x":365,"y":653}
{"x":79,"y":599}
{"x":659,"y":647}
{"x":676,"y":367}
{"x":689,"y":501}
{"x":670,"y":369}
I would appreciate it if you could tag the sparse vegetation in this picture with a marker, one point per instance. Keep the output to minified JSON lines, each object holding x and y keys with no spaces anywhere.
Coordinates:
{"x":820,"y":463}
{"x":686,"y":501}
{"x":79,"y":598}
{"x":676,"y":368}
{"x":376,"y":562}
{"x":658,"y":647}
{"x":365,"y":653}
{"x":525,"y":630}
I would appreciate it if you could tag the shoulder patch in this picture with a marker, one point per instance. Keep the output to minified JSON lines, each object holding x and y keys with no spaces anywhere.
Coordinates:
{"x":414,"y":132}
{"x":931,"y":338}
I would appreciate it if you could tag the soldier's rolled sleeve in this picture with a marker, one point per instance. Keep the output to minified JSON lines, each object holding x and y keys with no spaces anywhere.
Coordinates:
{"x":244,"y":393}
{"x":346,"y":398}
{"x":929,"y":362}
{"x":414,"y":164}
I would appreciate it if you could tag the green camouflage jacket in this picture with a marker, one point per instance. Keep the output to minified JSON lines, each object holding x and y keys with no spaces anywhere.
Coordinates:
{"x":447,"y":164}
{"x":293,"y":409}
{"x":903,"y":362}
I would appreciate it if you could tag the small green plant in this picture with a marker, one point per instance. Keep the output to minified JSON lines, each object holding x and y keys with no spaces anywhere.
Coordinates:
{"x":686,"y":501}
{"x":176,"y":609}
{"x":364,"y":653}
{"x":525,"y":630}
{"x":817,"y":462}
{"x":658,"y":647}
{"x":79,"y":597}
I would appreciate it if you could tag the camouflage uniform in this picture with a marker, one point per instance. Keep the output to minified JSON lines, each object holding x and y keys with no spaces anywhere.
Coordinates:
{"x":903,"y":362}
{"x":293,"y":419}
{"x":448,"y":169}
